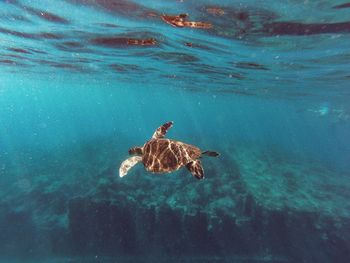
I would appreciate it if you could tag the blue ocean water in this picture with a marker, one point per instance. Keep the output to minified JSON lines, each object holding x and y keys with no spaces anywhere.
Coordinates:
{"x":266,"y":84}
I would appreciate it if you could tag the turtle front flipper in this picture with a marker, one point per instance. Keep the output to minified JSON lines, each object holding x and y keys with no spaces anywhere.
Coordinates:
{"x":128,"y":164}
{"x":196,"y":169}
{"x":161,"y":131}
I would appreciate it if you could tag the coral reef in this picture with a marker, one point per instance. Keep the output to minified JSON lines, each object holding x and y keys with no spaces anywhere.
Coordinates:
{"x":257,"y":205}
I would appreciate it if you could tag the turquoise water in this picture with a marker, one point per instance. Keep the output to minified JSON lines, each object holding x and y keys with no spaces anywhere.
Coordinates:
{"x":266,"y":85}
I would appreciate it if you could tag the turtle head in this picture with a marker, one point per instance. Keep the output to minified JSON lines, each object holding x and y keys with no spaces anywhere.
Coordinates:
{"x":136,"y":151}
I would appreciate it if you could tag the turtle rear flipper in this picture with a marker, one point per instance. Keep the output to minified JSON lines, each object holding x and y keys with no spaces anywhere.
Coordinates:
{"x":161,"y":131}
{"x":196,"y":169}
{"x":128,"y":164}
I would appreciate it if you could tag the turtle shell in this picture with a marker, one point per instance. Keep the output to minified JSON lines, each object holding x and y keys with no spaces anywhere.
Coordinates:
{"x":164,"y":155}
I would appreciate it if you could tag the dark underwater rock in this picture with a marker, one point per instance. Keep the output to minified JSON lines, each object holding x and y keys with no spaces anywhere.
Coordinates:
{"x":197,"y":237}
{"x":101,"y":228}
{"x":115,"y":229}
{"x":18,"y":233}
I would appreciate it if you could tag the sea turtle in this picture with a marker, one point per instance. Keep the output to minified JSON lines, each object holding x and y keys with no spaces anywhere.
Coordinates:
{"x":160,"y":155}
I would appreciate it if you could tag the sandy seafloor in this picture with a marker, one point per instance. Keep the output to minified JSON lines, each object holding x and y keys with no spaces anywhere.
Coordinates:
{"x":267,"y":87}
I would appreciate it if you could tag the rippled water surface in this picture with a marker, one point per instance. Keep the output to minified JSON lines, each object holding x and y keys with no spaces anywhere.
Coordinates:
{"x":265,"y":83}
